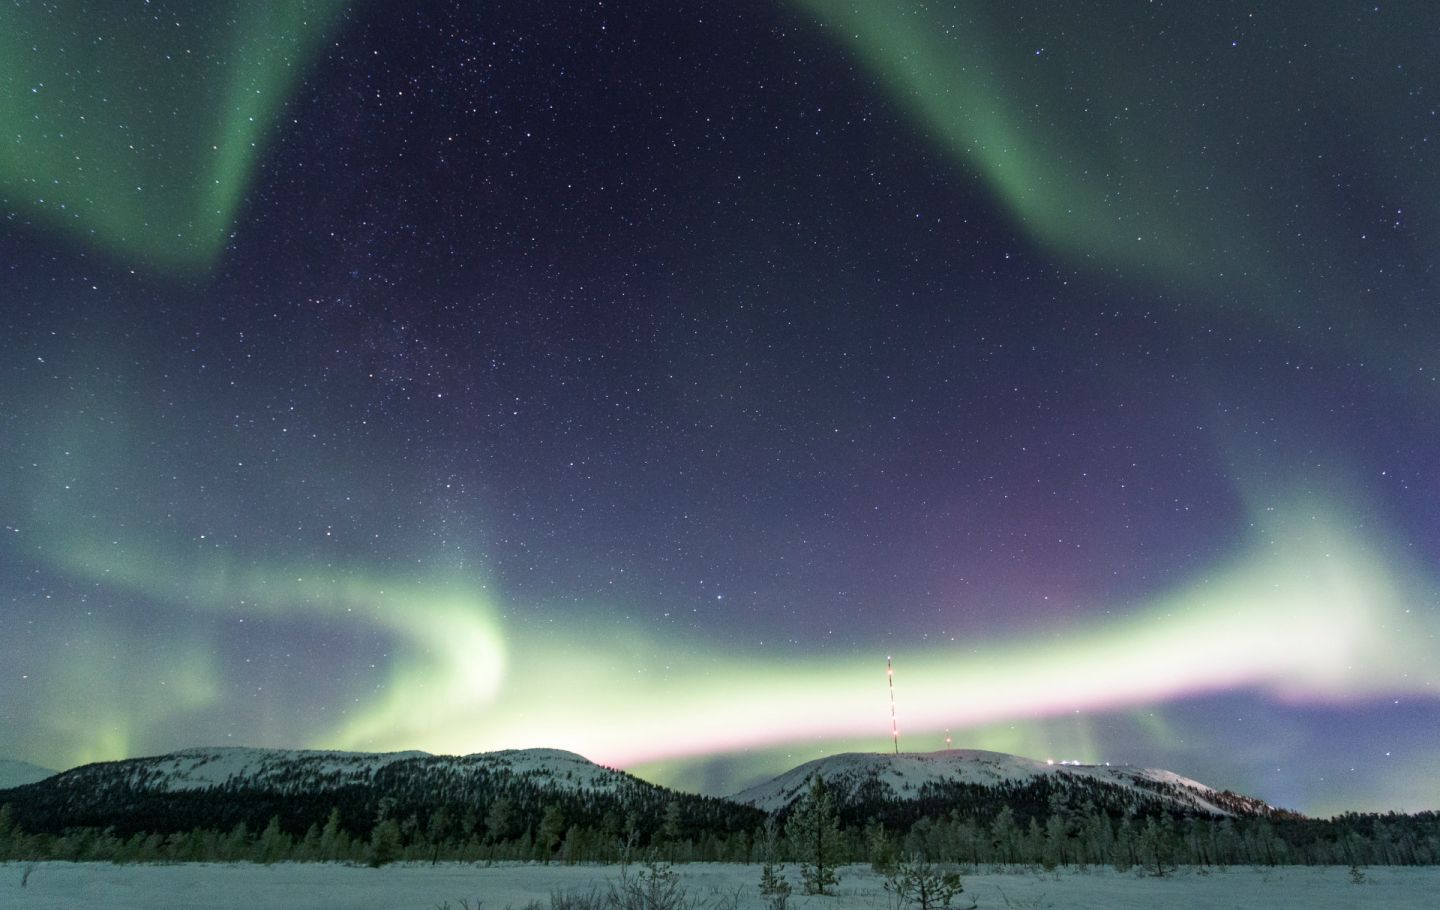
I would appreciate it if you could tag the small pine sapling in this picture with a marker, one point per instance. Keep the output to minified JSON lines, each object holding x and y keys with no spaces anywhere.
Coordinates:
{"x":918,"y":883}
{"x":772,"y":872}
{"x":774,"y":886}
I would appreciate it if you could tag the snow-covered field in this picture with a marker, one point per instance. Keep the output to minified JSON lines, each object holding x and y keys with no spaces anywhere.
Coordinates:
{"x":63,"y":886}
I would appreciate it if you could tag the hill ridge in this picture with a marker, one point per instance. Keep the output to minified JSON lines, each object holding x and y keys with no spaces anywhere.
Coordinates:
{"x":877,"y":777}
{"x":19,"y":773}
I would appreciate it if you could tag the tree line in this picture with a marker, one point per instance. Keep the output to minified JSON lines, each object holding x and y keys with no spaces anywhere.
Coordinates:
{"x":1158,"y":843}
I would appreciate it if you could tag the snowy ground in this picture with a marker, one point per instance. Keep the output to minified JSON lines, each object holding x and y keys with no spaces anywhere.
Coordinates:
{"x":65,"y":886}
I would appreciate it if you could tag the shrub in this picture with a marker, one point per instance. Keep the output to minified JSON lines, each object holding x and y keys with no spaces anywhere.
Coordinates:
{"x":918,"y":883}
{"x":655,"y":887}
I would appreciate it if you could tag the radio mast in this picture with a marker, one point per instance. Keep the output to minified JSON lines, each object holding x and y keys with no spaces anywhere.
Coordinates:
{"x":894,"y":726}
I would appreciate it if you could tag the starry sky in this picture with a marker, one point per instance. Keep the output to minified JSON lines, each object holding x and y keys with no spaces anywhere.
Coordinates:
{"x":635,"y":378}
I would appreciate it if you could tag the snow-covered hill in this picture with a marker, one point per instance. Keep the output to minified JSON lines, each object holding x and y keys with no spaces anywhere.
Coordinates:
{"x":19,"y":773}
{"x":909,"y":776}
{"x":502,"y":794}
{"x":296,"y":770}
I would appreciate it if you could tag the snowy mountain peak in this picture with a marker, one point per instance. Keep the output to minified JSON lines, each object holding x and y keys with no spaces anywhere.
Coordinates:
{"x":908,"y":776}
{"x":19,"y":773}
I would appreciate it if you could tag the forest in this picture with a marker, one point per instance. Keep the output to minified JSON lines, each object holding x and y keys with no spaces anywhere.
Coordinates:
{"x":516,"y":818}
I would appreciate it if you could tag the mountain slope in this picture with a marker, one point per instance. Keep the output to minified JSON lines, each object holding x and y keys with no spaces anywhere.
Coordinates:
{"x":311,"y":771}
{"x":19,"y":773}
{"x":220,"y":788}
{"x":871,"y":782}
{"x":506,"y":796}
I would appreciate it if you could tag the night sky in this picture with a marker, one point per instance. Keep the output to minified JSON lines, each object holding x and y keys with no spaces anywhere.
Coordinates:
{"x":635,"y":377}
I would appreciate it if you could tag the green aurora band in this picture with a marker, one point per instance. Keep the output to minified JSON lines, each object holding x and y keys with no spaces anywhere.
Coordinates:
{"x":1309,"y":616}
{"x":153,"y":170}
{"x":1218,"y":186}
{"x":1305,"y":613}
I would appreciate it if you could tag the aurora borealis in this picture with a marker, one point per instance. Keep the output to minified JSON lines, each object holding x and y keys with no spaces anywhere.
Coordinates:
{"x":634,"y":378}
{"x":144,"y":137}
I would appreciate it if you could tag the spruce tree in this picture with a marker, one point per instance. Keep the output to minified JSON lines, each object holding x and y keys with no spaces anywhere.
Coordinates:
{"x":814,"y":832}
{"x":1123,"y":856}
{"x":1157,"y":846}
{"x":772,"y":873}
{"x":274,"y":844}
{"x":918,"y":883}
{"x":1006,"y":835}
{"x":552,"y":828}
{"x":671,"y":828}
{"x":437,"y":830}
{"x":384,"y":843}
{"x":500,"y":819}
{"x":9,"y":832}
{"x":880,"y":847}
{"x":334,"y":842}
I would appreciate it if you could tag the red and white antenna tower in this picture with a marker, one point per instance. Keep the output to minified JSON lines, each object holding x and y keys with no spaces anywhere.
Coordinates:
{"x":894,"y":726}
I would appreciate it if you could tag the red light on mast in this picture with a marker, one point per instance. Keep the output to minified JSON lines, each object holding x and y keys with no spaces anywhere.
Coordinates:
{"x":894,"y":725}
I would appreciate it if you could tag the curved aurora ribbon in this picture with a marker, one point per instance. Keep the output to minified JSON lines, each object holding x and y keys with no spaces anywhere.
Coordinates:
{"x":1320,"y":619}
{"x":153,"y":169}
{"x":1313,"y":616}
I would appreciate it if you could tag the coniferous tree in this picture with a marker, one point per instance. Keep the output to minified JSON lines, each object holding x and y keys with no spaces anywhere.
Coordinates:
{"x":308,"y":850}
{"x":1098,"y":838}
{"x":8,"y":831}
{"x":1157,"y":846}
{"x":552,"y":828}
{"x":576,"y":846}
{"x":1123,"y":856}
{"x":880,"y":848}
{"x":273,"y":844}
{"x":1056,"y":850}
{"x":467,"y":824}
{"x":814,"y":833}
{"x":1005,"y":834}
{"x":334,"y":842}
{"x":384,"y":843}
{"x":923,"y":885}
{"x":236,"y":845}
{"x":671,"y":828}
{"x":436,"y":830}
{"x":772,"y":871}
{"x":500,"y":819}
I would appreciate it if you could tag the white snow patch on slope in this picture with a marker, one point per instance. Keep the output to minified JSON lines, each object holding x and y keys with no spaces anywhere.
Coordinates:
{"x":197,"y":769}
